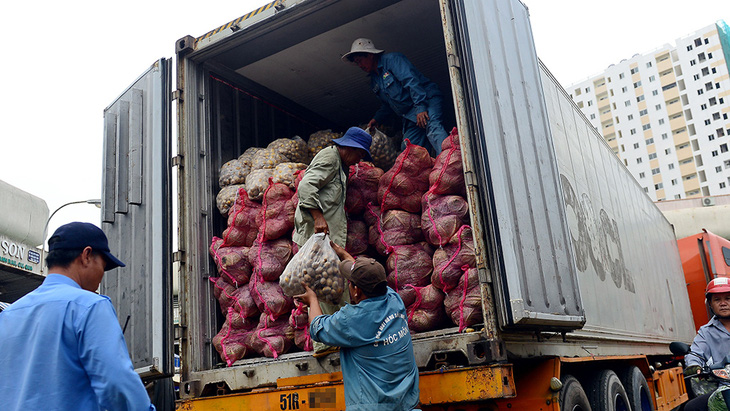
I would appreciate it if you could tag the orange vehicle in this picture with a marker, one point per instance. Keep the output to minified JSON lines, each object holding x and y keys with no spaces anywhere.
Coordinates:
{"x":704,"y":256}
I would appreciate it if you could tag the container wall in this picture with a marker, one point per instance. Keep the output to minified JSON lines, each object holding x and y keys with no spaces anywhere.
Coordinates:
{"x":629,"y":270}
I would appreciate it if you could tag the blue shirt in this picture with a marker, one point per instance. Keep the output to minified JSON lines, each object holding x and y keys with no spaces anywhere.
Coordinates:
{"x":401,"y":87}
{"x":712,"y":342}
{"x":61,"y":348}
{"x":378,"y":365}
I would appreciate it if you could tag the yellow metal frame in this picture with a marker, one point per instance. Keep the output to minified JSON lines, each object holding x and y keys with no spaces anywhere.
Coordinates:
{"x":326,"y":392}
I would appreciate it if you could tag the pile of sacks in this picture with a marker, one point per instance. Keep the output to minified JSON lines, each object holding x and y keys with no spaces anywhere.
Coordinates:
{"x":413,"y":217}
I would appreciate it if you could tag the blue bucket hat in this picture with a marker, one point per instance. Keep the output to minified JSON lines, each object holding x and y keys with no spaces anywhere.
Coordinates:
{"x":357,"y":138}
{"x":77,"y":236}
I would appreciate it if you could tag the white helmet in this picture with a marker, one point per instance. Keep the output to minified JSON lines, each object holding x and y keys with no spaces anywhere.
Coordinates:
{"x":361,"y":45}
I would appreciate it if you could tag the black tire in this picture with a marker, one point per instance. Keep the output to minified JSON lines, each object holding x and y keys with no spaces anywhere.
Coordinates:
{"x":572,"y":396}
{"x":606,"y":393}
{"x":637,"y":389}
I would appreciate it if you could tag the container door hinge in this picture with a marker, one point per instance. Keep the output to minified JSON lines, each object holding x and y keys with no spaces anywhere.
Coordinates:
{"x":178,"y":161}
{"x":177,"y":95}
{"x":178,"y":256}
{"x":453,"y":60}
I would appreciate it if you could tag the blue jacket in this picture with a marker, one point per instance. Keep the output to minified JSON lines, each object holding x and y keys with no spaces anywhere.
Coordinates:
{"x":403,"y":90}
{"x":376,"y":353}
{"x":712,"y":342}
{"x":61,"y":348}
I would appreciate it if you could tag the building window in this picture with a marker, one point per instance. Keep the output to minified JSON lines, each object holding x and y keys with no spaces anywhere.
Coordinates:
{"x":667,"y":151}
{"x":664,"y":136}
{"x":652,"y":78}
{"x":652,"y":156}
{"x":689,"y":48}
{"x":714,"y":70}
{"x":658,"y":107}
{"x":707,"y":122}
{"x":709,"y":55}
{"x":713,"y":101}
{"x":674,"y":181}
{"x":696,"y":76}
{"x":722,"y":185}
{"x":701,"y":57}
{"x":646,"y":189}
{"x":637,"y":84}
{"x":698,"y":41}
{"x":707,"y":41}
{"x":655,"y":171}
{"x":636,"y":145}
{"x":703,"y":106}
{"x":720,"y":132}
{"x":627,"y":103}
{"x":639,"y":160}
{"x":646,"y":127}
{"x":624,"y":89}
{"x":621,"y":75}
{"x":634,"y":70}
{"x":658,"y":186}
{"x":655,"y":92}
{"x":671,"y":166}
{"x":661,"y":121}
{"x":708,"y":86}
{"x":648,"y":64}
{"x":705,"y":71}
{"x":649,"y":141}
{"x":640,"y":98}
{"x":714,"y":153}
{"x":633,"y":131}
{"x":727,"y":163}
{"x":593,"y":116}
{"x":700,"y":92}
{"x":588,"y":89}
{"x":723,"y":148}
{"x":643,"y":112}
{"x":717,"y":85}
{"x":711,"y":137}
{"x":642,"y":175}
{"x":718,"y":169}
{"x":590,"y":103}
{"x":715,"y":116}
{"x":692,"y":62}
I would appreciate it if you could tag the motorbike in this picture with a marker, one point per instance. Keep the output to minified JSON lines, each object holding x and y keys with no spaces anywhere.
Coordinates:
{"x":714,"y":378}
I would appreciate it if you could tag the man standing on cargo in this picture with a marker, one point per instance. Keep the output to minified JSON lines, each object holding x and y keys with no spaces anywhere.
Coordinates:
{"x":713,"y":339}
{"x":378,"y":365}
{"x":321,"y":193}
{"x":404,"y":91}
{"x":61,"y":346}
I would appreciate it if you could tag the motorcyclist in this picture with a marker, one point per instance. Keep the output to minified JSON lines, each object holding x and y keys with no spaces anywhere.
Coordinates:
{"x":713,"y":339}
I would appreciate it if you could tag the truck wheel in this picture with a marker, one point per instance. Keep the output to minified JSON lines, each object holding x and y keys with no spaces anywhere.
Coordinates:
{"x":572,"y":396}
{"x":606,"y":393}
{"x":637,"y":389}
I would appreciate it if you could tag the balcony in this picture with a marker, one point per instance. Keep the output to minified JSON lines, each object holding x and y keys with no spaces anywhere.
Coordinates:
{"x":693,"y":184}
{"x":677,"y":123}
{"x":671,"y":94}
{"x":663,"y":64}
{"x":688,"y":169}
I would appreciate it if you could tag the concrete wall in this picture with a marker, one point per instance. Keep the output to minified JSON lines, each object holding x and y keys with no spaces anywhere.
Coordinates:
{"x":690,"y":216}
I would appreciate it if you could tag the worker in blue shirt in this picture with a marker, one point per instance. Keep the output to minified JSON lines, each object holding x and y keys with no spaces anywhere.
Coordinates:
{"x":404,"y":91}
{"x":61,"y":346}
{"x":376,"y":352}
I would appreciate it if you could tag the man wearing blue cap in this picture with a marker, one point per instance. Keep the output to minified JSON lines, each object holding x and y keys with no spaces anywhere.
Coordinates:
{"x":322,"y":191}
{"x":61,"y":346}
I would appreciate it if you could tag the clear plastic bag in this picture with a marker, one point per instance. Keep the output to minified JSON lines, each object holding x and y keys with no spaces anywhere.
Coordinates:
{"x":294,"y":149}
{"x":232,"y":172}
{"x":226,"y":197}
{"x":317,"y":265}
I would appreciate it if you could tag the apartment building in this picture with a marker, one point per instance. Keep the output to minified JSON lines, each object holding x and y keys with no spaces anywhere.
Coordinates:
{"x":666,"y":114}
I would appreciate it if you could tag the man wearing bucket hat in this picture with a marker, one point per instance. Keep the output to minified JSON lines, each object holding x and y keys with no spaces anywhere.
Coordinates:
{"x":713,"y":339}
{"x":404,"y":92}
{"x":378,"y":365}
{"x":61,"y":346}
{"x":321,"y":193}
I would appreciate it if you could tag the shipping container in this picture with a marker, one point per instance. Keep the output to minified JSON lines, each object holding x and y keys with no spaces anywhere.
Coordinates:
{"x":579,"y":271}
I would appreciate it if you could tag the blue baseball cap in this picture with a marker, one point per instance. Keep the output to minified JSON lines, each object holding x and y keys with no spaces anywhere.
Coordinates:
{"x":357,"y":138}
{"x":77,"y":236}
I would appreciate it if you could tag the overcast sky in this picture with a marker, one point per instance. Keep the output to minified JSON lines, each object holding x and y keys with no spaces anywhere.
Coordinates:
{"x":64,"y":62}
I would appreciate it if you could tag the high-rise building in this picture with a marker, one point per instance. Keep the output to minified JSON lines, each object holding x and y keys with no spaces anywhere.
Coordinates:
{"x":666,"y":114}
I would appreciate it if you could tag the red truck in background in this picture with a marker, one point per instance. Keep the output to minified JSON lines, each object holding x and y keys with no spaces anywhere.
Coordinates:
{"x":704,"y":256}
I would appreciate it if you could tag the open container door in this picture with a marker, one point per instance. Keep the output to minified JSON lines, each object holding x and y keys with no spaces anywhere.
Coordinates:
{"x":136,"y":217}
{"x":514,"y":164}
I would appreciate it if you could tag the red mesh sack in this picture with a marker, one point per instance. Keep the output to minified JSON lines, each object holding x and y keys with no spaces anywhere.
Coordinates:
{"x":410,"y":264}
{"x":357,"y":237}
{"x":298,"y":175}
{"x":241,"y":322}
{"x":402,"y":187}
{"x":362,"y":187}
{"x":223,"y":292}
{"x":269,"y":258}
{"x":464,"y":303}
{"x":232,"y":343}
{"x":242,"y":228}
{"x":299,"y":321}
{"x":270,"y":298}
{"x":371,"y":215}
{"x":276,"y":216}
{"x":447,"y":176}
{"x":243,"y":303}
{"x":442,"y":217}
{"x":426,"y":312}
{"x":449,"y":260}
{"x":232,"y":262}
{"x":396,"y":227}
{"x":272,"y":337}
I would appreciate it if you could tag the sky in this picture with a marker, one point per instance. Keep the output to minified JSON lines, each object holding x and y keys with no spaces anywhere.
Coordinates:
{"x":64,"y":62}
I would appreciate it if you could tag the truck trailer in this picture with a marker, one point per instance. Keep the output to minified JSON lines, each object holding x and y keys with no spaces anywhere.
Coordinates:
{"x":580,"y":276}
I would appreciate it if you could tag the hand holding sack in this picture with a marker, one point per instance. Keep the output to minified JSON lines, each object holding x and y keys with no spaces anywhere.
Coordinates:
{"x":317,"y":265}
